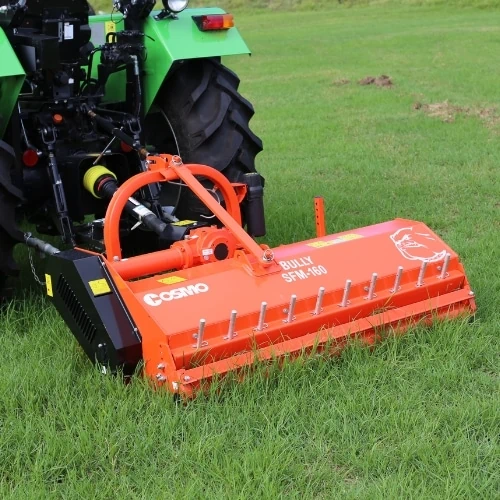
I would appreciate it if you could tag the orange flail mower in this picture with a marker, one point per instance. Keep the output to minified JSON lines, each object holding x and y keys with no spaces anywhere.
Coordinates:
{"x":216,"y":300}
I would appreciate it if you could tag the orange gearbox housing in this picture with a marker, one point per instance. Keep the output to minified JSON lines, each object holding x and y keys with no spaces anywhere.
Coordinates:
{"x":218,"y":301}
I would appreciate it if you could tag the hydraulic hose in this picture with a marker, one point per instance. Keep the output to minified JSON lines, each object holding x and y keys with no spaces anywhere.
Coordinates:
{"x":40,"y":245}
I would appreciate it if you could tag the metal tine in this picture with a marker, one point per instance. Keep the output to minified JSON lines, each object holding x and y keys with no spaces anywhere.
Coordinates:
{"x":262,"y":317}
{"x":446,"y":263}
{"x":371,"y":290}
{"x":397,"y":281}
{"x":319,"y":301}
{"x":291,"y":309}
{"x":345,"y":298}
{"x":421,"y":274}
{"x":199,"y":336}
{"x":232,"y":322}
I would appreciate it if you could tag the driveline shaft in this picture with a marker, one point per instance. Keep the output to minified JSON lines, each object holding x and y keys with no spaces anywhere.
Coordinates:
{"x":102,"y":183}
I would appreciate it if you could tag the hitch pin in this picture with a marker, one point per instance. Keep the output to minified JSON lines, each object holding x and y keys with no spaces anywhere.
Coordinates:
{"x":319,"y":301}
{"x":199,"y":336}
{"x":232,"y":322}
{"x":262,"y":317}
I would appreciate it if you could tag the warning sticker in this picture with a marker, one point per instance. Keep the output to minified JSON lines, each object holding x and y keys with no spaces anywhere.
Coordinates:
{"x":48,"y":285}
{"x":171,"y":280}
{"x":335,"y":241}
{"x":320,"y":244}
{"x":68,"y":31}
{"x":183,"y":222}
{"x":109,"y":27}
{"x":99,"y":287}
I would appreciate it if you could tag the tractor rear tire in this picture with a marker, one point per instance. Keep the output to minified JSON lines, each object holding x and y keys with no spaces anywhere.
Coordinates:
{"x":10,"y":234}
{"x":210,"y":121}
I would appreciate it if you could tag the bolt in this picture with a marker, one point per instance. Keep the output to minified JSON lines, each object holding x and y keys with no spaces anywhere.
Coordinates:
{"x":371,"y":290}
{"x":319,"y":300}
{"x":262,"y":316}
{"x":444,"y":268}
{"x":291,"y":308}
{"x":187,"y":378}
{"x":160,"y":377}
{"x":345,"y":297}
{"x":161,"y":366}
{"x":420,"y":280}
{"x":232,"y":322}
{"x":397,"y":281}
{"x":199,"y":336}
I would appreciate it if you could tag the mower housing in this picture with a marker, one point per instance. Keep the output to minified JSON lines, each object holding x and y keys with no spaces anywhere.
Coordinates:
{"x":217,"y":301}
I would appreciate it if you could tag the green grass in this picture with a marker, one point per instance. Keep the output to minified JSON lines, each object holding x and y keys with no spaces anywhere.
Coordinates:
{"x":415,"y":418}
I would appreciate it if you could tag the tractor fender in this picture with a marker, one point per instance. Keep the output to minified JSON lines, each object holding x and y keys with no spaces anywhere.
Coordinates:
{"x":11,"y":80}
{"x":169,"y":40}
{"x":177,"y":39}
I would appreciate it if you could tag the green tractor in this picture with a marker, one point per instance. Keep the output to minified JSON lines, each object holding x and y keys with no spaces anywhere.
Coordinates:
{"x":85,"y":96}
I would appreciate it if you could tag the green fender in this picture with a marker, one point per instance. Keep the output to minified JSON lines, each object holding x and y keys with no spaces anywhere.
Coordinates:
{"x":11,"y":80}
{"x":167,"y":41}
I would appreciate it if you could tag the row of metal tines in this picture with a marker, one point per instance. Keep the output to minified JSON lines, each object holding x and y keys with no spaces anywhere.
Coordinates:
{"x":261,"y":324}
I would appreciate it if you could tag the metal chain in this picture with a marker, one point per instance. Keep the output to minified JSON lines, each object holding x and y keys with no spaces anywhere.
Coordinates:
{"x":33,"y":270}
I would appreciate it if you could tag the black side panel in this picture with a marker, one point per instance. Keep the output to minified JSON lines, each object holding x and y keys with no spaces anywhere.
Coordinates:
{"x":96,"y":317}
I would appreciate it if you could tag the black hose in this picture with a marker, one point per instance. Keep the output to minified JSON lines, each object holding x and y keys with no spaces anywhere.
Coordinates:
{"x":40,"y":245}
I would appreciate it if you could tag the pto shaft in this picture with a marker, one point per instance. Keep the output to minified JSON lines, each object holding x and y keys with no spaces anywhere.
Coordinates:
{"x":102,"y":183}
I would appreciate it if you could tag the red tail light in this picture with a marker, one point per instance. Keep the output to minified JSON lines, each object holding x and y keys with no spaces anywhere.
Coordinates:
{"x":30,"y":157}
{"x":214,"y":22}
{"x":125,"y":147}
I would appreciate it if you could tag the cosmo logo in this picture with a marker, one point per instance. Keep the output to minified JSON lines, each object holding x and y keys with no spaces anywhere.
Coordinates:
{"x":153,"y":299}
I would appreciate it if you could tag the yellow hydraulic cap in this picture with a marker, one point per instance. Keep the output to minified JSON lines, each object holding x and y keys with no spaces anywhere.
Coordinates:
{"x":92,"y":175}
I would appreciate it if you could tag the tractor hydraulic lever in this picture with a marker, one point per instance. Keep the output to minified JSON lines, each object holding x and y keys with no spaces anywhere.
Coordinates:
{"x":114,"y":131}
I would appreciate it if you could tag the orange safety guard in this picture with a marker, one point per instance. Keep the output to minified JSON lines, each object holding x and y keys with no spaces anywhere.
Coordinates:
{"x":323,"y":290}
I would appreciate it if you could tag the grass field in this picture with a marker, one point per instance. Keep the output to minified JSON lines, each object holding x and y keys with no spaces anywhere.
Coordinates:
{"x":417,"y":417}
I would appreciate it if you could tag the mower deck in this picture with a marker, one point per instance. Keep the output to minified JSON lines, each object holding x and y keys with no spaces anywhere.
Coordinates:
{"x":217,"y":301}
{"x":312,"y":281}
